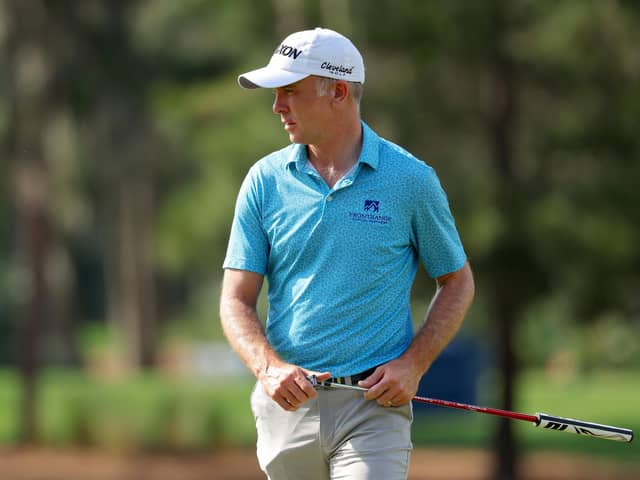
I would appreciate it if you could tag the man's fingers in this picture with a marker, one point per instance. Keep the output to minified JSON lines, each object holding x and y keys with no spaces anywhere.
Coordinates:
{"x":372,"y":379}
{"x":302,"y":391}
{"x":295,"y":391}
{"x":291,"y":392}
{"x":288,"y":386}
{"x":387,"y":397}
{"x":392,"y":382}
{"x":285,"y":404}
{"x":375,"y":384}
{"x":321,"y":377}
{"x":288,"y":399}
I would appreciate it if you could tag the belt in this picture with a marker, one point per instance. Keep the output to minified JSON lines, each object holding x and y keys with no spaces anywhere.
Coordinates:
{"x":352,"y":379}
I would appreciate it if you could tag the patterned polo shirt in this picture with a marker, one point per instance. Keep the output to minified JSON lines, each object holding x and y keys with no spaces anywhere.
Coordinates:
{"x":340,"y":262}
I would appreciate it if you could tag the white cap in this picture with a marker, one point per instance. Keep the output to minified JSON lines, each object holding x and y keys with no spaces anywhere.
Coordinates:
{"x":320,"y":52}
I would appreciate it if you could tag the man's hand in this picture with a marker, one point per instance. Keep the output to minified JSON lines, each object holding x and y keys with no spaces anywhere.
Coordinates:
{"x":392,"y":384}
{"x":289,"y":386}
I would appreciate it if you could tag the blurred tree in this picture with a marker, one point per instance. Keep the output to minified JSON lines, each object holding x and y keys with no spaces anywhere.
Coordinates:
{"x":508,"y":263}
{"x":29,"y":86}
{"x":124,"y":151}
{"x":582,"y":73}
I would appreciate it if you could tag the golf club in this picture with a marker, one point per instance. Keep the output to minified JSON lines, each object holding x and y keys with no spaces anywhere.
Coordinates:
{"x":543,"y":420}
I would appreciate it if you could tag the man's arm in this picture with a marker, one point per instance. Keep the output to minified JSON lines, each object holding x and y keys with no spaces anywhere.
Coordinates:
{"x":283,"y":382}
{"x":397,"y":381}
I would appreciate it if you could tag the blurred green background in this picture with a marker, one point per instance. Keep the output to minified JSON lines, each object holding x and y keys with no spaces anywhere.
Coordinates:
{"x":124,"y":139}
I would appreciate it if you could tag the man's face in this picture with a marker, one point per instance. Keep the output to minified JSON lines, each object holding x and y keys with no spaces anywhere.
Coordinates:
{"x":303,"y":113}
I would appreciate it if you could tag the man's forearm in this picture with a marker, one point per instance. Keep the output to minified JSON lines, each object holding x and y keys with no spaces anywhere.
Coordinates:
{"x":244,"y":331}
{"x":444,"y":318}
{"x":285,"y":383}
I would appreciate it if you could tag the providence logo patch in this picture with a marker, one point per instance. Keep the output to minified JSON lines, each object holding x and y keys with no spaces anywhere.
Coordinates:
{"x":370,"y":213}
{"x":372,"y":206}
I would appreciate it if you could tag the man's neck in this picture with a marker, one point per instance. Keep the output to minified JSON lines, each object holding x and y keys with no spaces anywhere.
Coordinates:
{"x":341,"y":150}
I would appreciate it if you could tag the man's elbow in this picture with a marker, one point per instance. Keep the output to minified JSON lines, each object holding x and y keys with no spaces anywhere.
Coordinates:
{"x":469,"y":282}
{"x":459,"y":284}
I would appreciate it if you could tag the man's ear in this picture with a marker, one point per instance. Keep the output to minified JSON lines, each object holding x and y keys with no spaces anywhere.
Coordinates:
{"x":340,"y":91}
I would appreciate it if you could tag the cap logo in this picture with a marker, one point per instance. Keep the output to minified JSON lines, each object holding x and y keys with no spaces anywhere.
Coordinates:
{"x":337,"y":69}
{"x":288,"y":51}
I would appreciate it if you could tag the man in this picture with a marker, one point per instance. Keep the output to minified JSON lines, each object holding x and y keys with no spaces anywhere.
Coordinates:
{"x":337,"y":222}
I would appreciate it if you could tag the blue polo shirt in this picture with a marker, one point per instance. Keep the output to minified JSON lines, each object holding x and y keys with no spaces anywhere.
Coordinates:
{"x":340,"y":262}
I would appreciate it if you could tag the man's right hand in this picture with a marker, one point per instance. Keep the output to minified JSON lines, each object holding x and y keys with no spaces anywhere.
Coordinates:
{"x":289,"y":386}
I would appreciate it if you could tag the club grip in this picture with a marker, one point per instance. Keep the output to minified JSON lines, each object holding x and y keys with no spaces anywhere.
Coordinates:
{"x":581,"y":427}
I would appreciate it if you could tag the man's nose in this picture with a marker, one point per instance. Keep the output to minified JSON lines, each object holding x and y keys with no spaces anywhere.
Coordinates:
{"x":279,"y":104}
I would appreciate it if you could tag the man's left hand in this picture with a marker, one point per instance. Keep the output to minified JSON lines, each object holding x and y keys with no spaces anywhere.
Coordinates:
{"x":393,"y":384}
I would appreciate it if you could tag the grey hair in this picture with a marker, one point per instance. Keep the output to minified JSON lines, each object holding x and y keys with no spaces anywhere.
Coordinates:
{"x":323,"y":84}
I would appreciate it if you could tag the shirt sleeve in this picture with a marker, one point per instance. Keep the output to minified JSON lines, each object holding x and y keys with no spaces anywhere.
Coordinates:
{"x":435,"y":235}
{"x":248,"y":247}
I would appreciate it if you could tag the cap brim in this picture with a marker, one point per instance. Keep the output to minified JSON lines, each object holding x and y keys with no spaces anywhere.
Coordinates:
{"x":269,"y":77}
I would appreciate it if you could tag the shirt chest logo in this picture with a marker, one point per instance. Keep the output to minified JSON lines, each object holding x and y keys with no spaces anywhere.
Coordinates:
{"x":370,"y":213}
{"x":372,"y":206}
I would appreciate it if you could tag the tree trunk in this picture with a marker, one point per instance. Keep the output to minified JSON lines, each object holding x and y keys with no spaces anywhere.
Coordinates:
{"x":33,"y":227}
{"x":28,"y":85}
{"x":126,"y":177}
{"x":136,"y":305}
{"x":506,"y":255}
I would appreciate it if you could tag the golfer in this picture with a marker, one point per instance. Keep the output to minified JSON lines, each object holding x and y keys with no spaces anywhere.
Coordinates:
{"x":337,"y":223}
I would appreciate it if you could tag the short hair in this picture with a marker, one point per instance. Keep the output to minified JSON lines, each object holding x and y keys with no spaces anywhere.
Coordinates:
{"x":355,"y":88}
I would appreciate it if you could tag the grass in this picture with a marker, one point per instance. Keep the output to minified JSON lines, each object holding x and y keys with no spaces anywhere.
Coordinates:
{"x":609,"y":397}
{"x":149,"y":412}
{"x":154,"y":413}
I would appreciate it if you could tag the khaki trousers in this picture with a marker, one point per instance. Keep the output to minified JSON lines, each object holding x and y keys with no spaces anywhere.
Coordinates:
{"x":338,"y":435}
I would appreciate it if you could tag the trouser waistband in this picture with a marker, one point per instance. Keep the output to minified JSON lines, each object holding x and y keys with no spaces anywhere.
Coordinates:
{"x":352,"y":379}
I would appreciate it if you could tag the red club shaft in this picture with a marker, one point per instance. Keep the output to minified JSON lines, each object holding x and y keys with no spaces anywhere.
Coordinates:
{"x":445,"y":403}
{"x":475,"y":408}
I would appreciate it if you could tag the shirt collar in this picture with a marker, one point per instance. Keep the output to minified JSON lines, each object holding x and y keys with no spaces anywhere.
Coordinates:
{"x":368,"y":155}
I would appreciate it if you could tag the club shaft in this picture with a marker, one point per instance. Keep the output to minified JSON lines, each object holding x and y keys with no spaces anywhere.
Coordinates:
{"x":475,"y":408}
{"x":543,"y":420}
{"x":450,"y":404}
